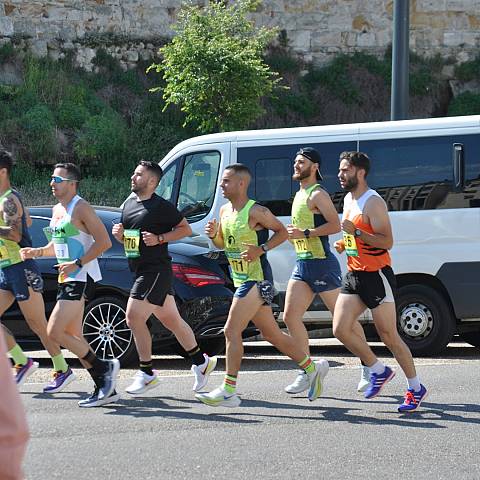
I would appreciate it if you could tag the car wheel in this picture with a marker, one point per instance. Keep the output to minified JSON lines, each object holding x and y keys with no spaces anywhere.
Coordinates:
{"x":105,"y":329}
{"x":425,"y":321}
{"x":473,"y":338}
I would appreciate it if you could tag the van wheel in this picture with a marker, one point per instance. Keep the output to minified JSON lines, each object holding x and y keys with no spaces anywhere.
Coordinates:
{"x":424,"y":320}
{"x":105,"y":329}
{"x":473,"y":338}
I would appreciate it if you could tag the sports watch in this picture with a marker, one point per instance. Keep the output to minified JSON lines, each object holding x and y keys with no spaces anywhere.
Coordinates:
{"x":357,"y":232}
{"x":78,"y":263}
{"x":264,"y":247}
{"x":306,"y":232}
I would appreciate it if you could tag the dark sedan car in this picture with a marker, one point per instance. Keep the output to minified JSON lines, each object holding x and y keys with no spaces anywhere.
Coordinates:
{"x":201,"y":292}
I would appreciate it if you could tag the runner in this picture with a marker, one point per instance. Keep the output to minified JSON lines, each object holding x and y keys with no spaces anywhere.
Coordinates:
{"x":148,"y":223}
{"x":370,"y":281}
{"x":243,"y":232}
{"x":78,"y":237}
{"x":317,"y":271}
{"x":22,"y":281}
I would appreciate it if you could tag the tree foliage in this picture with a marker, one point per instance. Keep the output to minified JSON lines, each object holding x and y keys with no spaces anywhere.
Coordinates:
{"x":214,"y":68}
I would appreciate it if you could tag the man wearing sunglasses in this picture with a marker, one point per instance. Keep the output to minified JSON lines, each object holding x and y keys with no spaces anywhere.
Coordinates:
{"x":77,"y":237}
{"x":22,"y":281}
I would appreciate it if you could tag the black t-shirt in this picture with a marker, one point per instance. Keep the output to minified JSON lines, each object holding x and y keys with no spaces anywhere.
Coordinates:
{"x":155,"y":215}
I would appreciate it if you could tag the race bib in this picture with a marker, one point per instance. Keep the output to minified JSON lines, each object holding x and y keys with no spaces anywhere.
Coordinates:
{"x":4,"y":256}
{"x":302,"y":248}
{"x":61,"y":249}
{"x":131,"y":243}
{"x":350,"y":245}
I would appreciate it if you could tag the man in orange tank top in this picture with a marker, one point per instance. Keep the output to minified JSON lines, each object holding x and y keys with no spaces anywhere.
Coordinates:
{"x":370,"y":281}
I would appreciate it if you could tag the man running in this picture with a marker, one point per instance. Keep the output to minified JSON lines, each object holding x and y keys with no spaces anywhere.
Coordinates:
{"x":148,"y":223}
{"x":317,"y":271}
{"x":78,"y":237}
{"x":22,"y":281}
{"x":243,"y":233}
{"x":370,"y":281}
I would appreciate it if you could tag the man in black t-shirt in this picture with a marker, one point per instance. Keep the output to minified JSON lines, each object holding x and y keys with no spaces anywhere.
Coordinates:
{"x":148,"y":223}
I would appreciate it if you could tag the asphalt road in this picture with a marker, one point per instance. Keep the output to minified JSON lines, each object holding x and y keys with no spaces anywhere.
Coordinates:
{"x":169,"y":435}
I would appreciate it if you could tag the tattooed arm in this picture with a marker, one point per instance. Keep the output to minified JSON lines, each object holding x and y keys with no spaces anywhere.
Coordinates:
{"x":12,"y":212}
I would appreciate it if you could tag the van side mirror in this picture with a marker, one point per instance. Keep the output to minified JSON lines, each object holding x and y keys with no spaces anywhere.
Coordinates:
{"x":458,"y":167}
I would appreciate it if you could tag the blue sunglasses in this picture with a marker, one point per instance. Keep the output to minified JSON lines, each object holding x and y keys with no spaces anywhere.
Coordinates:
{"x":58,"y":179}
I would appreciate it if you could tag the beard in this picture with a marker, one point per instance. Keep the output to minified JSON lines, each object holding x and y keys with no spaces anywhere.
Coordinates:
{"x":301,"y":175}
{"x":351,"y":184}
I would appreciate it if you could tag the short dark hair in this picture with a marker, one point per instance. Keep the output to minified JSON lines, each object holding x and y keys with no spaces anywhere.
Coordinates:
{"x":357,"y":159}
{"x":6,"y":160}
{"x":73,"y":171}
{"x":153,"y":167}
{"x":239,"y":168}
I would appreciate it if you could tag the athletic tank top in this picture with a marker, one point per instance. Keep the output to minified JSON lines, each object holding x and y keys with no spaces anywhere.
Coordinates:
{"x":361,"y":255}
{"x":236,"y":232}
{"x":71,"y":243}
{"x":302,"y":218}
{"x":10,"y":250}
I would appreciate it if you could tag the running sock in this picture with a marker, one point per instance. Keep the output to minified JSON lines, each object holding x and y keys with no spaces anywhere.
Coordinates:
{"x":230,"y":383}
{"x":196,"y":355}
{"x":59,"y":363}
{"x":17,"y":355}
{"x":378,"y":367}
{"x":98,"y":366}
{"x":146,"y":367}
{"x":307,"y":365}
{"x":414,"y":383}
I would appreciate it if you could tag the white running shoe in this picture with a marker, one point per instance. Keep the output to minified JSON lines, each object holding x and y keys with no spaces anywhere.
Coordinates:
{"x":364,"y":379}
{"x":219,"y":398}
{"x":142,"y":383}
{"x":94,"y":401}
{"x":316,"y":379}
{"x":202,"y":372}
{"x":301,"y":384}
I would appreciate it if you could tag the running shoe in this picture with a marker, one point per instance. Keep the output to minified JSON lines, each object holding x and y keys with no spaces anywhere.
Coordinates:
{"x":219,"y":398}
{"x":378,"y":381}
{"x":413,"y":400}
{"x":142,"y":383}
{"x":316,"y":378}
{"x":60,"y":381}
{"x":22,"y":372}
{"x":301,"y":384}
{"x":202,"y":372}
{"x":109,"y":378}
{"x":94,"y":401}
{"x":364,"y":379}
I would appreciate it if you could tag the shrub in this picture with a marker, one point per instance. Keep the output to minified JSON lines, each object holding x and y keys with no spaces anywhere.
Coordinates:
{"x":467,"y":103}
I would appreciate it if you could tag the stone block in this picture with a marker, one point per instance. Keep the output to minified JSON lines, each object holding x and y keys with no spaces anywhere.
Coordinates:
{"x":6,"y":27}
{"x":38,"y":48}
{"x":431,"y":5}
{"x":366,"y":39}
{"x":452,"y":39}
{"x":300,"y":40}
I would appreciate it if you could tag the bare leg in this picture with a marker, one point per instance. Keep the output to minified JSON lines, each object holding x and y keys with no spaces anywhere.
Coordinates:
{"x":138,"y":312}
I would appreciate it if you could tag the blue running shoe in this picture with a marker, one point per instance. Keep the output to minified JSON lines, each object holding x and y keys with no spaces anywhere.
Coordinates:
{"x":413,"y":400}
{"x":378,"y":381}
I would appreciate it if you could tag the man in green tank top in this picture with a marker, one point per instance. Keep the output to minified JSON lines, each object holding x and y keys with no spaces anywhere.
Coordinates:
{"x":243,"y":232}
{"x":21,"y":281}
{"x":317,"y":270}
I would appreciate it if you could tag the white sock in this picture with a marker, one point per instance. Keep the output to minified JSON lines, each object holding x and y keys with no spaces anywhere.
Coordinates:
{"x":414,"y":383}
{"x":378,"y":367}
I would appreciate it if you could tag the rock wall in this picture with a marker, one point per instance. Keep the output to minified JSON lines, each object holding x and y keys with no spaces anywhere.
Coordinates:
{"x":316,"y":29}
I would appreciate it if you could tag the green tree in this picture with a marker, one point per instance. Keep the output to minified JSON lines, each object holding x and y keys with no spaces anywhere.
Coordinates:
{"x":214,"y":68}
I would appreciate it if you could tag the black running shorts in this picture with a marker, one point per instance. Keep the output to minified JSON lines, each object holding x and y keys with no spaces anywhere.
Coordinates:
{"x":76,"y":290}
{"x":373,"y":288}
{"x":153,"y":287}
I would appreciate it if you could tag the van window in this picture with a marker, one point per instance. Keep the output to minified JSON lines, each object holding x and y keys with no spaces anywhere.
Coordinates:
{"x":166,"y":187}
{"x":417,"y":173}
{"x":198,"y":184}
{"x":272,"y":168}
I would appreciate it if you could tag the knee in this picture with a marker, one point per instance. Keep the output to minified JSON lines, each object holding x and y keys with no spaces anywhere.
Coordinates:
{"x":134,"y":321}
{"x":339,"y":331}
{"x":54,"y":333}
{"x":391,"y":339}
{"x":232,"y":334}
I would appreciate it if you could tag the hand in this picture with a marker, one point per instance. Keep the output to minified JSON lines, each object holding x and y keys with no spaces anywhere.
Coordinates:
{"x":211,"y":228}
{"x":27,"y":253}
{"x":348,"y":227}
{"x":65,"y":269}
{"x":150,"y":239}
{"x":339,"y":246}
{"x":117,"y":231}
{"x":251,"y":253}
{"x":294,"y":232}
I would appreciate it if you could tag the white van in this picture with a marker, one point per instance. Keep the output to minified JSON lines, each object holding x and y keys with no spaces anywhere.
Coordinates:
{"x":428,"y":172}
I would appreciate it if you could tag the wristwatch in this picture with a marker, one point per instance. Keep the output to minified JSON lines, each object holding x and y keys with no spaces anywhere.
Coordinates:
{"x":306,"y":232}
{"x":78,"y":263}
{"x":264,"y":247}
{"x":161,"y":239}
{"x":357,"y":232}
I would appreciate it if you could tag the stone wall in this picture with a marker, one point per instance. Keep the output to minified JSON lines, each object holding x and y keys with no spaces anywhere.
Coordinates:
{"x":316,"y":29}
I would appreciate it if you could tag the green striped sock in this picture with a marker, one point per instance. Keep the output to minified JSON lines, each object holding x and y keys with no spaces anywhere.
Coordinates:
{"x":18,"y":356}
{"x":307,"y":364}
{"x":59,"y":363}
{"x":230,"y":383}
